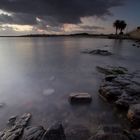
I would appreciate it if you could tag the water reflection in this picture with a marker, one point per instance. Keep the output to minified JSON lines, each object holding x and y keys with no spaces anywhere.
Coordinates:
{"x":38,"y":74}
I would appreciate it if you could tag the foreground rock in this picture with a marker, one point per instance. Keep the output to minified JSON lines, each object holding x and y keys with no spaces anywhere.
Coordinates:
{"x":33,"y":133}
{"x":122,"y":89}
{"x":98,"y":52}
{"x":80,"y":98}
{"x":55,"y":132}
{"x":110,"y":133}
{"x":19,"y":130}
{"x":15,"y":131}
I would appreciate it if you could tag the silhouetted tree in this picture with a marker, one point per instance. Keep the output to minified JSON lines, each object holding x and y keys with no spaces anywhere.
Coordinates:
{"x":116,"y":24}
{"x":122,"y":26}
{"x":119,"y":25}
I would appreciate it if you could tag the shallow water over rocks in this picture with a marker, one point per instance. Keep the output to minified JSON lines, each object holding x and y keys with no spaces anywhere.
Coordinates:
{"x":31,"y":66}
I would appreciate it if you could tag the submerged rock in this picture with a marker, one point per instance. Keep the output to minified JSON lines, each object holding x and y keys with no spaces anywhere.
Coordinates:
{"x":2,"y":105}
{"x":98,"y":52}
{"x":80,"y":98}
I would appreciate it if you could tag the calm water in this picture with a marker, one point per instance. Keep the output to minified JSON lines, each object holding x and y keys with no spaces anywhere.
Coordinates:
{"x":38,"y":74}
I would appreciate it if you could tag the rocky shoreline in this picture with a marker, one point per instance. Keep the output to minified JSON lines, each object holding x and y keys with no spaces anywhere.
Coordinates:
{"x":122,"y":89}
{"x":19,"y":130}
{"x":97,"y":52}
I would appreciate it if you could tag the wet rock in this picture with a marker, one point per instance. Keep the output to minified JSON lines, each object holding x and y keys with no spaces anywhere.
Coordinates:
{"x":55,"y":132}
{"x":122,"y":89}
{"x":133,"y":90}
{"x":110,"y":70}
{"x":110,"y":77}
{"x":12,"y":120}
{"x":122,"y":81}
{"x":80,"y":98}
{"x":136,"y":80}
{"x":33,"y":133}
{"x":134,"y":115}
{"x":15,"y":131}
{"x":109,"y":133}
{"x":124,"y":101}
{"x":98,"y":52}
{"x":110,"y":93}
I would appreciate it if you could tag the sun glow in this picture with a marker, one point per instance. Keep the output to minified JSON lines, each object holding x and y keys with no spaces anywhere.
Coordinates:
{"x":69,"y":27}
{"x":18,"y":28}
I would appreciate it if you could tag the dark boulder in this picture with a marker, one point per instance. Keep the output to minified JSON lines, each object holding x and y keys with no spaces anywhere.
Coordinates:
{"x":33,"y":133}
{"x":55,"y":132}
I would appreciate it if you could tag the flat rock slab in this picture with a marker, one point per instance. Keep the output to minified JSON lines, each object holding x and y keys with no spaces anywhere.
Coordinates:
{"x":98,"y":52}
{"x":80,"y":98}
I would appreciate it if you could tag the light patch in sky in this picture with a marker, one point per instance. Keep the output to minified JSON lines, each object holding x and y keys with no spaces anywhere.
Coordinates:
{"x":70,"y":27}
{"x":38,"y":19}
{"x":5,"y":13}
{"x":18,"y":28}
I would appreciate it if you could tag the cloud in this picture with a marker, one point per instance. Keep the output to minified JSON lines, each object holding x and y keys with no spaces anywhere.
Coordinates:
{"x":17,"y":18}
{"x":55,"y":11}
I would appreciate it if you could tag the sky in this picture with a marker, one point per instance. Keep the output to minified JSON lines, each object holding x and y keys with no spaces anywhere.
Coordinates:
{"x":19,"y":17}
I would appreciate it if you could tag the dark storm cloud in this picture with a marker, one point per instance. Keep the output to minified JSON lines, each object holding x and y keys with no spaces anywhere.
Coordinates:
{"x":55,"y":11}
{"x":21,"y":19}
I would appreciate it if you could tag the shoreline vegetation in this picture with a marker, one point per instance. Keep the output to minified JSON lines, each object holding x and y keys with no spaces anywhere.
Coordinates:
{"x":131,"y":36}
